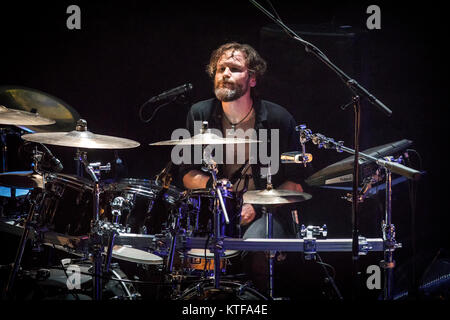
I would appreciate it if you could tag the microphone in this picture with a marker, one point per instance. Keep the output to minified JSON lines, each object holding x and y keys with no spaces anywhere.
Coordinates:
{"x":48,"y":162}
{"x":296,"y":157}
{"x":185,"y":88}
{"x":52,"y":161}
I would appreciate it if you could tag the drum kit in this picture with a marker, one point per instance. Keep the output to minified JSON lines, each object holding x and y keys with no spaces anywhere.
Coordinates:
{"x":151,"y":223}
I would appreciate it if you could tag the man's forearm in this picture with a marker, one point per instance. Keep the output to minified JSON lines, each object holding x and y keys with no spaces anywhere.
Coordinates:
{"x":289,"y":185}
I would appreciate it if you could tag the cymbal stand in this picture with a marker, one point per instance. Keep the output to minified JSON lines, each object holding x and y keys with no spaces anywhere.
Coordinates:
{"x":37,"y":157}
{"x":219,"y":207}
{"x":96,"y":233}
{"x":388,"y":229}
{"x":4,"y":149}
{"x":390,"y":244}
{"x":269,"y":233}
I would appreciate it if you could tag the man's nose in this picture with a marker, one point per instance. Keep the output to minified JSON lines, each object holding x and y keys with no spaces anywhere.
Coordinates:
{"x":227,"y":72}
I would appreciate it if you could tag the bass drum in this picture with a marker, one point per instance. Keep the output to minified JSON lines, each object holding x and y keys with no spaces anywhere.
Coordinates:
{"x":73,"y":282}
{"x":228,"y":290}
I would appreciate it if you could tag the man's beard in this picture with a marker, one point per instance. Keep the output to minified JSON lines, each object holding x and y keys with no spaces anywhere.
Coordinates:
{"x":227,"y":94}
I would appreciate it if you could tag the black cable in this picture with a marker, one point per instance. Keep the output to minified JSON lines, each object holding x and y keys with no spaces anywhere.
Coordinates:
{"x":154,"y":112}
{"x":206,"y":260}
{"x":330,"y":279}
{"x":413,"y":188}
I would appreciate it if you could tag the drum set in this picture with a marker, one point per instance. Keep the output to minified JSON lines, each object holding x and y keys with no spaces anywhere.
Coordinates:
{"x":177,"y":234}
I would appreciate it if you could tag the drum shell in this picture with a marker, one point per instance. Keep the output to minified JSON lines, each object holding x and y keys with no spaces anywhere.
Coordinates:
{"x":199,"y":220}
{"x":67,"y":205}
{"x":148,"y":205}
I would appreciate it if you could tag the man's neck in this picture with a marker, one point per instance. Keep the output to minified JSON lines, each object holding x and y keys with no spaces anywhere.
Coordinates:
{"x":237,"y":109}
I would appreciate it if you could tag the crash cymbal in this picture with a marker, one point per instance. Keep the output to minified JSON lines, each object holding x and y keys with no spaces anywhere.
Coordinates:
{"x":342,"y":171}
{"x":47,"y":106}
{"x":81,"y":138}
{"x":21,"y":180}
{"x":206,"y":138}
{"x":275,"y":196}
{"x":17,"y":117}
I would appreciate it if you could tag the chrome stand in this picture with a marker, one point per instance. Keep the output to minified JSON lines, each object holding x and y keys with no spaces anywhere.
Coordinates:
{"x":390,"y":244}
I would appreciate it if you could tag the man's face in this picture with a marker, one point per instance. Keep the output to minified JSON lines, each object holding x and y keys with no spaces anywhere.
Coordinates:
{"x":232,"y":79}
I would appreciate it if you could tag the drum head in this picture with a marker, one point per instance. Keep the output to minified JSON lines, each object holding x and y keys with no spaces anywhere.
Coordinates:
{"x":135,"y":255}
{"x":200,"y":253}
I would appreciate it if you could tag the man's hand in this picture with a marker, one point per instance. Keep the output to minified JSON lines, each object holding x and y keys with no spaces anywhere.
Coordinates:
{"x":248,"y":214}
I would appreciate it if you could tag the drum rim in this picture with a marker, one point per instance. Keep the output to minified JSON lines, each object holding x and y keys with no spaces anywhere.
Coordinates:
{"x":72,"y":180}
{"x":208,"y":193}
{"x":210,"y":282}
{"x":144,"y":187}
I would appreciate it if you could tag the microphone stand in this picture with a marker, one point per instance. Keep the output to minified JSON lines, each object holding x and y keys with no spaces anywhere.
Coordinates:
{"x":95,"y":236}
{"x":357,"y":91}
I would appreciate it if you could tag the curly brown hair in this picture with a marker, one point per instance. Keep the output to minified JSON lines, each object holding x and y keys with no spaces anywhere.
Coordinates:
{"x":255,"y":64}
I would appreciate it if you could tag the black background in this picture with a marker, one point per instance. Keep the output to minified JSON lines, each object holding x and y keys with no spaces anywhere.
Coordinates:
{"x":127,"y":52}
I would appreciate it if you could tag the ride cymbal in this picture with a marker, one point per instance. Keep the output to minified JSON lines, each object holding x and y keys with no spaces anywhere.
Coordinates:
{"x":47,"y":106}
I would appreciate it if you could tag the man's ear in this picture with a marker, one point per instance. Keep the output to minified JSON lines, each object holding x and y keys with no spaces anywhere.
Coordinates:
{"x":252,"y":81}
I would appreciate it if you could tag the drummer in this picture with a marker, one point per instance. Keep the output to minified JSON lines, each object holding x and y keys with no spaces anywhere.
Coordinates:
{"x":236,"y":70}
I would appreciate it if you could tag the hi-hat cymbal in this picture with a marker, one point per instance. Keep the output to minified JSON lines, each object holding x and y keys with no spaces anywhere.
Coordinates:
{"x":22,"y":180}
{"x":17,"y":118}
{"x":81,"y":138}
{"x":32,"y":100}
{"x":275,"y":196}
{"x":206,"y":138}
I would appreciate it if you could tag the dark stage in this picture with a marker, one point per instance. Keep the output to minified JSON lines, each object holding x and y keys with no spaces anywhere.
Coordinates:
{"x":126,"y":52}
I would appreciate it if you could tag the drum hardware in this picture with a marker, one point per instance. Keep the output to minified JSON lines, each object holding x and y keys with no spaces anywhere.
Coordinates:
{"x":269,"y":198}
{"x":365,"y":245}
{"x":95,"y":238}
{"x":23,"y":240}
{"x":383,"y":162}
{"x":116,"y":208}
{"x":218,"y":209}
